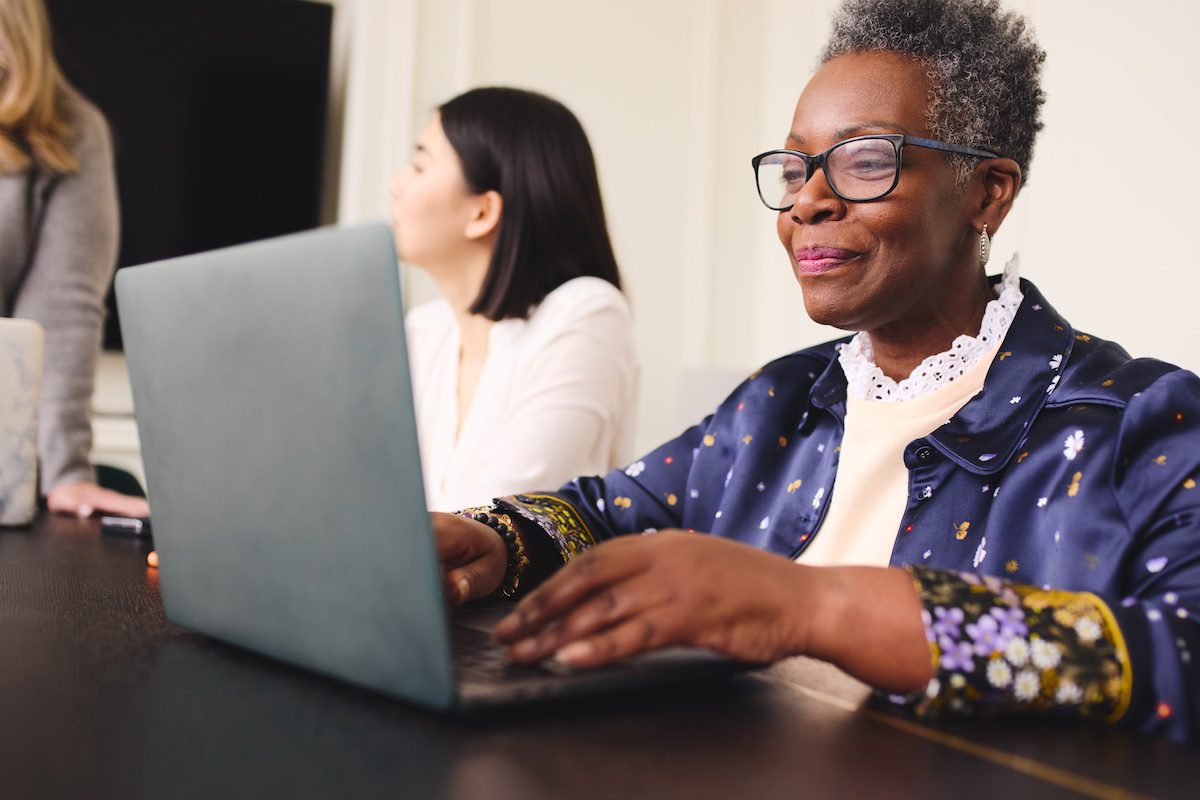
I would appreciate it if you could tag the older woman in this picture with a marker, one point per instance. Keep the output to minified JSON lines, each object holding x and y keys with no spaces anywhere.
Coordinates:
{"x":968,"y":501}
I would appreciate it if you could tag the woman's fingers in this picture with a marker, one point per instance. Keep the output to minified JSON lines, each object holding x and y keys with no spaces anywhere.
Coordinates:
{"x":83,"y":498}
{"x":600,"y":567}
{"x":471,"y":555}
{"x":603,"y":609}
{"x":469,"y":582}
{"x":123,"y":504}
{"x":457,"y":542}
{"x":637,"y":634}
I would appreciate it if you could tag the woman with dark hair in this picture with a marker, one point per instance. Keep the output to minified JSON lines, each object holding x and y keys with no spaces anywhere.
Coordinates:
{"x":967,"y":503}
{"x":58,"y":225}
{"x":524,"y":373}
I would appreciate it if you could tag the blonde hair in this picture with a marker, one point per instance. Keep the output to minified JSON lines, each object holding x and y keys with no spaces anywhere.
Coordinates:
{"x":31,"y":92}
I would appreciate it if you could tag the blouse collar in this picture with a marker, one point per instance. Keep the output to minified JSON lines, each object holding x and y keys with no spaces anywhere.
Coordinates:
{"x":1024,"y":376}
{"x":866,"y":381}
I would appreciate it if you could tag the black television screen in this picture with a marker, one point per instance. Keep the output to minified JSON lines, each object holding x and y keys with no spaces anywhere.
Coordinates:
{"x":218,"y":113}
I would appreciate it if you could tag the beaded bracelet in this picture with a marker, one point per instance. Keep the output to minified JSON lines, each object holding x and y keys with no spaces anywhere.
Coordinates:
{"x":517,"y":560}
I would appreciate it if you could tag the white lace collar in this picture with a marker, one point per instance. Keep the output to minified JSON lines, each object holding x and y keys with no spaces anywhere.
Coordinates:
{"x":865,"y":381}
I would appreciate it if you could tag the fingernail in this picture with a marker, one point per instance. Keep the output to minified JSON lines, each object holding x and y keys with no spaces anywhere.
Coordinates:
{"x":464,"y":589}
{"x":84,"y":511}
{"x":574,"y":653}
{"x":525,"y":649}
{"x":507,"y":626}
{"x":515,"y":623}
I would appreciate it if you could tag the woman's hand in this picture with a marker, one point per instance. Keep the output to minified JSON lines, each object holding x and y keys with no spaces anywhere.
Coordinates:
{"x":84,"y":498}
{"x":639,"y":593}
{"x":473,"y":558}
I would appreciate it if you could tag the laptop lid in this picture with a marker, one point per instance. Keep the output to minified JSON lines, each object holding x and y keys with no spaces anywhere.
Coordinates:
{"x":272,"y":396}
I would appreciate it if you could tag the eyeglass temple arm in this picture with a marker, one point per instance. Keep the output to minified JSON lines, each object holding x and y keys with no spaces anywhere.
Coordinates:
{"x":949,"y":148}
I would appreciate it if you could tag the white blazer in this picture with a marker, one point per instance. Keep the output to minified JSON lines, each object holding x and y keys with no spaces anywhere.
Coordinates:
{"x":557,"y":396}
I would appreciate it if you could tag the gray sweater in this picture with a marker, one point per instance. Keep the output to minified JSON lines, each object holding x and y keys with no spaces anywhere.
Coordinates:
{"x":73,"y":261}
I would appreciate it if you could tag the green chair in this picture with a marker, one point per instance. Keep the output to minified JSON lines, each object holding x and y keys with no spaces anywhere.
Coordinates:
{"x":118,"y":480}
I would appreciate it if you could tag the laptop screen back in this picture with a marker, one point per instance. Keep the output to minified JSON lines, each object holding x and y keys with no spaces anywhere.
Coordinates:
{"x":272,"y":396}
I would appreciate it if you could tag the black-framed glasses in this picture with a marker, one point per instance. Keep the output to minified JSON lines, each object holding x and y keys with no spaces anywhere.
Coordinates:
{"x":858,"y":170}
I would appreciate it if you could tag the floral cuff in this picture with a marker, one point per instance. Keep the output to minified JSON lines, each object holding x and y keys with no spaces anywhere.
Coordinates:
{"x":1000,"y":647}
{"x":561,"y":521}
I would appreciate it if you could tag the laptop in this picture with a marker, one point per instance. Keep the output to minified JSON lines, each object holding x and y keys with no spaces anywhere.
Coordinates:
{"x":273,"y":401}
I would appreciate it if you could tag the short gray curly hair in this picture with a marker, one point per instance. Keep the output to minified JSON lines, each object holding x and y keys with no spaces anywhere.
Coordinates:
{"x":983,"y":64}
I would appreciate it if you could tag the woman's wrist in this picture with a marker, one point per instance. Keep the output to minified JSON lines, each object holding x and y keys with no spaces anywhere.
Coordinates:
{"x":867,"y":621}
{"x":820,"y":610}
{"x":511,"y":545}
{"x":544,"y":553}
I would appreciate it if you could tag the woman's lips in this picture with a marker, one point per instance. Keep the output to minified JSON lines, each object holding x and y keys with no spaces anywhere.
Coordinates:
{"x":813,"y":260}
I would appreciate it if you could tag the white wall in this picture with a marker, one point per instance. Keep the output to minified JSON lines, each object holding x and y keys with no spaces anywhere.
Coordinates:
{"x":1108,"y":226}
{"x":676,"y":96}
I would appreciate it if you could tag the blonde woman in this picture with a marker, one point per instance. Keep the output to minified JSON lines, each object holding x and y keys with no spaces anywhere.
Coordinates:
{"x":58,"y":225}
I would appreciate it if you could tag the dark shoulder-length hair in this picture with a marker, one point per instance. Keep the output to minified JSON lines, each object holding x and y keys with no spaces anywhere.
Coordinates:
{"x":533,"y":151}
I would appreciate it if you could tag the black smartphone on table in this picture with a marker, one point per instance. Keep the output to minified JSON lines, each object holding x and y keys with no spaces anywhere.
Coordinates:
{"x":125,"y":526}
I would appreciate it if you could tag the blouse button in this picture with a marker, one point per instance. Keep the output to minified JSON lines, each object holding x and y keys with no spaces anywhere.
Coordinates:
{"x":924,"y":454}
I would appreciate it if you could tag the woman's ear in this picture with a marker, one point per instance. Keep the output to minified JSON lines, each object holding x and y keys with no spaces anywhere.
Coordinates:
{"x":485,"y":215}
{"x":1001,"y":182}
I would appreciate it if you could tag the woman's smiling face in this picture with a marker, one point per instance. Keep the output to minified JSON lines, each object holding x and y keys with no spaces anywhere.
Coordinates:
{"x":868,"y":266}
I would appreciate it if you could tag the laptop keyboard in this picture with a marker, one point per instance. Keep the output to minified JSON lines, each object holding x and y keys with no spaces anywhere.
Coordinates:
{"x":478,"y":658}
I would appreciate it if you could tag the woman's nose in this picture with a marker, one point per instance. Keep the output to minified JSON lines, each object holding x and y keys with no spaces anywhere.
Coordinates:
{"x":816,"y":201}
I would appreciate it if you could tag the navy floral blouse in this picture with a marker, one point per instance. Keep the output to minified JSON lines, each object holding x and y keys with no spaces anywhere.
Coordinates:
{"x":1052,"y":526}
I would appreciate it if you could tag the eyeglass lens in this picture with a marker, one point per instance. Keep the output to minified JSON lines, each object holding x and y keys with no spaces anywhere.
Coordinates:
{"x":860,"y":169}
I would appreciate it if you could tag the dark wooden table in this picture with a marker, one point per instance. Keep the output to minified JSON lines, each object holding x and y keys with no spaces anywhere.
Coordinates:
{"x":100,"y":696}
